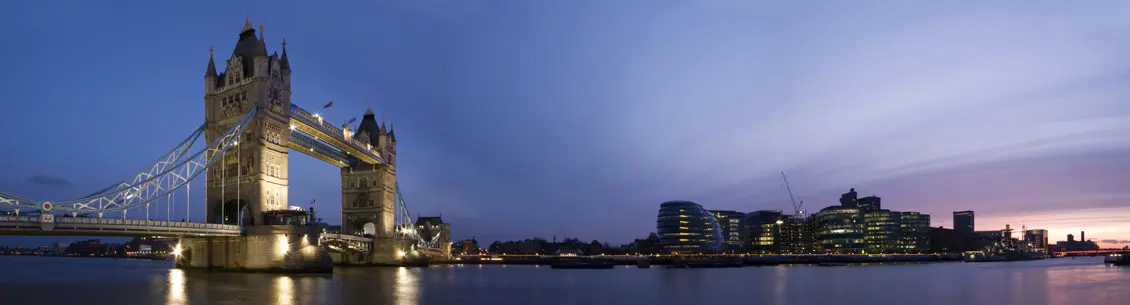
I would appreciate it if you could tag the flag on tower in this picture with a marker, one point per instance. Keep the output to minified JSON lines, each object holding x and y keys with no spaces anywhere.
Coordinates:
{"x":328,"y":105}
{"x":350,"y":121}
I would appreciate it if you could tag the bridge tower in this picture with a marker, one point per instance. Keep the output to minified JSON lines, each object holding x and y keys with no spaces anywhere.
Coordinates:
{"x":252,"y":177}
{"x":368,"y":191}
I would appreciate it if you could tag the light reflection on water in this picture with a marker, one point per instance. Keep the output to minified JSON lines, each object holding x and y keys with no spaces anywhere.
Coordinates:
{"x":407,"y":287}
{"x":177,"y":294}
{"x":1083,"y":281}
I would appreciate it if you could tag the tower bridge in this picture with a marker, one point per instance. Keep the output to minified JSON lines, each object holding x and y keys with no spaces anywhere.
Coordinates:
{"x":250,"y":127}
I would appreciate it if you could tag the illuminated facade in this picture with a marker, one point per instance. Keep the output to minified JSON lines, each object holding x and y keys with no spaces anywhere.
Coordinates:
{"x":686,"y":227}
{"x":839,"y":229}
{"x":731,"y":224}
{"x":796,"y":235}
{"x":1037,"y":239}
{"x":914,"y":235}
{"x":762,"y":231}
{"x":883,"y":231}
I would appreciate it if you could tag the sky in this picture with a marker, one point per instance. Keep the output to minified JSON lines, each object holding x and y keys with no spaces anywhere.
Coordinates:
{"x":517,"y":119}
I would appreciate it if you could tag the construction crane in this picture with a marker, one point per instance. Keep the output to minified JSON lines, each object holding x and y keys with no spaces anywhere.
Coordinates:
{"x":797,"y":211}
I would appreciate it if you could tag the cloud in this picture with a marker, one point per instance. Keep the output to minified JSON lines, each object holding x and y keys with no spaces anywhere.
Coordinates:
{"x":49,"y":180}
{"x":1114,"y":241}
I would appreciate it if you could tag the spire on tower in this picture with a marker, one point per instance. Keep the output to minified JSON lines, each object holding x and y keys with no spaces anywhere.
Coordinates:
{"x":261,"y":49}
{"x":247,"y":22}
{"x":211,"y":63}
{"x":283,"y":62}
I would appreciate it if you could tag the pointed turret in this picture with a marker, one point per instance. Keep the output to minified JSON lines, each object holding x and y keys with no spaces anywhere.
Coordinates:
{"x":211,"y":79}
{"x":261,"y":49}
{"x":211,"y":63}
{"x":368,"y":128}
{"x":284,"y":63}
{"x":392,"y":131}
{"x":384,"y":128}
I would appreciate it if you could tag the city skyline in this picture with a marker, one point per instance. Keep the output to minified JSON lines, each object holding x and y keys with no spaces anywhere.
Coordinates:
{"x":534,"y":118}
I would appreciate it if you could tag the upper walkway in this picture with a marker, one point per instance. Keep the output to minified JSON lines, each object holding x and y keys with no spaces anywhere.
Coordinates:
{"x":342,"y":149}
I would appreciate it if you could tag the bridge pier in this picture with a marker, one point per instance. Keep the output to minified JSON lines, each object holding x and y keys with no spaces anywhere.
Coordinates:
{"x":384,"y":251}
{"x":269,"y":248}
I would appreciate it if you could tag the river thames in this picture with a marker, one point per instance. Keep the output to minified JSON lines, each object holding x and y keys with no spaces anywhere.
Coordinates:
{"x":1078,"y":281}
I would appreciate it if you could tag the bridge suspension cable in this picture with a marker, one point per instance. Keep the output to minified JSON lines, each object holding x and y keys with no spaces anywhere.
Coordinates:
{"x":160,"y":179}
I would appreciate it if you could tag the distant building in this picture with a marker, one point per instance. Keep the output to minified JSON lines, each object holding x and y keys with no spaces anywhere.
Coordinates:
{"x":1037,"y":239}
{"x":731,"y":224}
{"x":869,"y":204}
{"x":796,"y":235}
{"x":862,"y":225}
{"x":762,"y":230}
{"x":849,"y":199}
{"x":914,"y":234}
{"x":1077,"y":245}
{"x":685,"y":227}
{"x":963,"y":222}
{"x":839,"y":229}
{"x":883,"y":230}
{"x":434,"y":230}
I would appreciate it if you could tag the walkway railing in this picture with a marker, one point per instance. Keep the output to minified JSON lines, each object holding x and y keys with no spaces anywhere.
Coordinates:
{"x":336,"y":133}
{"x":128,"y":226}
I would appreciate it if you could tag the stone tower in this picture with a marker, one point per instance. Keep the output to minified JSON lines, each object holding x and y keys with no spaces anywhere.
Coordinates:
{"x":251,"y":177}
{"x":368,"y":192}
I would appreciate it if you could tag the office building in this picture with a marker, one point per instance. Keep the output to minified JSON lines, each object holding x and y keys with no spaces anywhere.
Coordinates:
{"x":796,"y":235}
{"x":762,"y":230}
{"x":849,"y":199}
{"x":869,"y":204}
{"x":963,"y":222}
{"x":731,"y":224}
{"x":1037,"y":239}
{"x":883,"y":230}
{"x":840,"y":229}
{"x":914,"y":235}
{"x":685,"y":227}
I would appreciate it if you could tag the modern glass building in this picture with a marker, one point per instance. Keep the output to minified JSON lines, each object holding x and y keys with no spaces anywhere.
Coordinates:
{"x":963,"y":222}
{"x":839,"y":229}
{"x":914,"y":232}
{"x":762,"y":231}
{"x":796,"y":235}
{"x":731,"y":224}
{"x":883,"y":231}
{"x":685,"y":227}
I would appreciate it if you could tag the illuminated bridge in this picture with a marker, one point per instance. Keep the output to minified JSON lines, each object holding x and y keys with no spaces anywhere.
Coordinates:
{"x":242,"y":151}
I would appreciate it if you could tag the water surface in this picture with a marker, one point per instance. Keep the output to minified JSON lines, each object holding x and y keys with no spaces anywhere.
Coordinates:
{"x":97,"y":281}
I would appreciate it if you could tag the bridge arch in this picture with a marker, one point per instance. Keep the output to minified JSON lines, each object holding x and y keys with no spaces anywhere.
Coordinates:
{"x":235,"y":212}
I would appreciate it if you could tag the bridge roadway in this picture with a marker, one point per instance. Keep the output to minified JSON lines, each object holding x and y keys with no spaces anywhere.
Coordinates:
{"x":81,"y":226}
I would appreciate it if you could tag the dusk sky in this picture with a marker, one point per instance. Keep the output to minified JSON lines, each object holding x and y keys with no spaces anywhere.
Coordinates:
{"x":517,"y":119}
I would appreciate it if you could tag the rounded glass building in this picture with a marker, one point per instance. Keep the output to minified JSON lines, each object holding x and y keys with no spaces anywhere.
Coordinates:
{"x":686,"y":227}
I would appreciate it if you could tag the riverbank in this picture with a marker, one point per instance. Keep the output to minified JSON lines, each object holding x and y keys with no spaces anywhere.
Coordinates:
{"x":747,"y":261}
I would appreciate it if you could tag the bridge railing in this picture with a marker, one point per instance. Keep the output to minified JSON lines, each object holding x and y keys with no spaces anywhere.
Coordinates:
{"x":337,"y":133}
{"x":137,"y":223}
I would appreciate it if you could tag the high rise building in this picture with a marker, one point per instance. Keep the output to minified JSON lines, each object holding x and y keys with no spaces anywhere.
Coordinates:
{"x":840,"y":229}
{"x":762,"y":230}
{"x":796,"y":235}
{"x":849,"y":199}
{"x":685,"y":227}
{"x":914,"y":235}
{"x":869,"y":204}
{"x":883,"y":231}
{"x":1037,"y":239}
{"x":963,"y":222}
{"x":731,"y":224}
